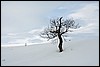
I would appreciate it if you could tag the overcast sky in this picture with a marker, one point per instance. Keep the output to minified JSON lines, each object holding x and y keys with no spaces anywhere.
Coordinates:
{"x":21,"y":21}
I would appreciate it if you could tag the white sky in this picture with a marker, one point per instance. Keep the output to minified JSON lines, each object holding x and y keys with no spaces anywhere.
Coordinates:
{"x":21,"y":20}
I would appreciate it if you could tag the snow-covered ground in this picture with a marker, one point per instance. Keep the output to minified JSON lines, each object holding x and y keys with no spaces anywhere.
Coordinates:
{"x":76,"y":53}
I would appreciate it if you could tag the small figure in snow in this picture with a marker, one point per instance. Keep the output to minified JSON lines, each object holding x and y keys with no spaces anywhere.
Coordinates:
{"x":25,"y":44}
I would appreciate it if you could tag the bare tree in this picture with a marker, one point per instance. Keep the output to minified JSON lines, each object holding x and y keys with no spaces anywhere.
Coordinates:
{"x":57,"y":28}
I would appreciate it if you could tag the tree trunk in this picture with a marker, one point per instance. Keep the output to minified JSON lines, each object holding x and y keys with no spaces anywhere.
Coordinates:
{"x":60,"y":43}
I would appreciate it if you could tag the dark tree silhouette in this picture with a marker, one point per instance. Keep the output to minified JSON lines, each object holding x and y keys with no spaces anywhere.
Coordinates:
{"x":57,"y":28}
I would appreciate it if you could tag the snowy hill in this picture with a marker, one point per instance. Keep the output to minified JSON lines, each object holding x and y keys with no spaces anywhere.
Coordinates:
{"x":76,"y":53}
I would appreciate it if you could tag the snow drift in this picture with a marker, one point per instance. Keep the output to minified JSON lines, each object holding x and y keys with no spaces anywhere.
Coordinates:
{"x":76,"y":53}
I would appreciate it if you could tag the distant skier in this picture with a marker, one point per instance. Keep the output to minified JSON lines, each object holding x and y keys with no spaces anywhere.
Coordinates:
{"x":25,"y":44}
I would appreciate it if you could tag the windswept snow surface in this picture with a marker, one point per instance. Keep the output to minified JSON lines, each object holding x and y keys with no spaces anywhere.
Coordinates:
{"x":76,"y":53}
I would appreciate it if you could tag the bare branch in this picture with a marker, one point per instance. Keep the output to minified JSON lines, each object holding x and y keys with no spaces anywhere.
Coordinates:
{"x":59,"y":26}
